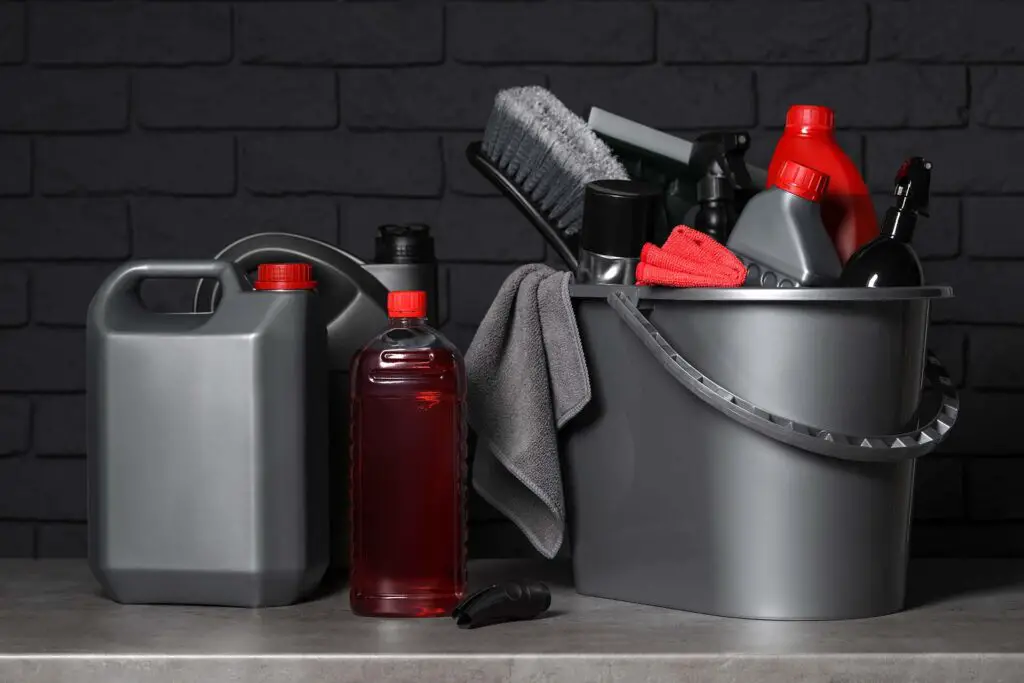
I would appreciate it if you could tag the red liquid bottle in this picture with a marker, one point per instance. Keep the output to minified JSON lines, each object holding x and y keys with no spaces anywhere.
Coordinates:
{"x":408,"y":473}
{"x":847,"y":210}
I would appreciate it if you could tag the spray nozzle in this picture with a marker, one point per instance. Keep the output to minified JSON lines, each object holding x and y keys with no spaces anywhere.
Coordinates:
{"x":721,"y":154}
{"x":913,"y":185}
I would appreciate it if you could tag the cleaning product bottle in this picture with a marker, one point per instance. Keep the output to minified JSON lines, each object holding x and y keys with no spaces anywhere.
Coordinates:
{"x":618,"y":219}
{"x":889,"y":260}
{"x":207,"y":438}
{"x":719,"y":156}
{"x":847,"y":210}
{"x":780,"y":236}
{"x":408,"y":468}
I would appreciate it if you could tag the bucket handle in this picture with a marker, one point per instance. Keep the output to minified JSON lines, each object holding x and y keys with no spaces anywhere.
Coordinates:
{"x":890,"y":448}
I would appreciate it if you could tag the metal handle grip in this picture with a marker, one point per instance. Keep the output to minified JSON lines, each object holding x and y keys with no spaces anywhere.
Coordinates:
{"x":826,"y":442}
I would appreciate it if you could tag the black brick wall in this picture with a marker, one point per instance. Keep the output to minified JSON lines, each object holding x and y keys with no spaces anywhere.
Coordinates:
{"x":169,"y":129}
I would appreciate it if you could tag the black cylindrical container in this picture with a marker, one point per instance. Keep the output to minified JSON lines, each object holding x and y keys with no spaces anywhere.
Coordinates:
{"x":618,"y":219}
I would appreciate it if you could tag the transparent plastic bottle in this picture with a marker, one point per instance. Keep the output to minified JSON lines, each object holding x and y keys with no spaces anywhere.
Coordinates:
{"x":408,"y":459}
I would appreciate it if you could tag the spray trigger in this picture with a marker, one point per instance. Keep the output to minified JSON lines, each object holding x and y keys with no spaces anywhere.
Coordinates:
{"x":509,"y":601}
{"x":913,"y":185}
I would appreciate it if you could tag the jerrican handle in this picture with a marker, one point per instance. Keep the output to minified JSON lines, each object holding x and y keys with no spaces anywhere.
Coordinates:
{"x":871,"y":448}
{"x":130,"y":276}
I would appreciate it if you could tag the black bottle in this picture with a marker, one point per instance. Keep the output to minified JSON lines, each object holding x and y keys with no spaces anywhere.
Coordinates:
{"x":717,"y":213}
{"x":719,"y":157}
{"x":889,"y":260}
{"x":618,"y":219}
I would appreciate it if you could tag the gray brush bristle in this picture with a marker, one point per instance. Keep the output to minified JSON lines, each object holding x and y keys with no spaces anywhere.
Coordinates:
{"x":548,"y":151}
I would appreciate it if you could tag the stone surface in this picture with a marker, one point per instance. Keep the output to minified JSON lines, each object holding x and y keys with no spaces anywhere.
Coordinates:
{"x":938,"y":97}
{"x":340,"y":33}
{"x":15,"y":166}
{"x":786,"y":32}
{"x":64,"y":101}
{"x":662,"y":97}
{"x":15,"y":424}
{"x":953,"y":32}
{"x":496,"y":32}
{"x":160,"y":163}
{"x":226,"y":98}
{"x":12,"y":32}
{"x":13,"y":297}
{"x":965,"y":623}
{"x":369,"y":164}
{"x":381,"y":99}
{"x":130,"y":33}
{"x":64,"y":229}
{"x":141,"y":129}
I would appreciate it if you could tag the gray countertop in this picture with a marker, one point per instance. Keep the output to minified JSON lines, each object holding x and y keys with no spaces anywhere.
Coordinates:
{"x":965,"y":622}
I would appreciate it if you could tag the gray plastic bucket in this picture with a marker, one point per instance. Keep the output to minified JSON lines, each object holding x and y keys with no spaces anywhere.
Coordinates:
{"x":750,"y":452}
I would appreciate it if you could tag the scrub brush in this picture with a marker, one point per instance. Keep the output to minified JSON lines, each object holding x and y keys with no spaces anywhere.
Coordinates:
{"x":541,"y":156}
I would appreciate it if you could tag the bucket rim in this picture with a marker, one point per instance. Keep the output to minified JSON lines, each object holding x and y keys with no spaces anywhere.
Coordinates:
{"x":779,"y":295}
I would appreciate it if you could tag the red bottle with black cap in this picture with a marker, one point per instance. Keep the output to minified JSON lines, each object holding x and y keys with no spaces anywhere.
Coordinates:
{"x":408,"y":468}
{"x":846,"y":209}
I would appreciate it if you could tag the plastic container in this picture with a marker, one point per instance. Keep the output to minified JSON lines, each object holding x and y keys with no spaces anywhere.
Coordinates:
{"x":207,"y":439}
{"x":408,"y":473}
{"x":353,"y":296}
{"x":889,"y":260}
{"x":847,"y":210}
{"x":750,"y":452}
{"x":779,"y":236}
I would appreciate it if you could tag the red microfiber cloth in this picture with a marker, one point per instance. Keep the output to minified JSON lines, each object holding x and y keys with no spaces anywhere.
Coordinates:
{"x":689,"y":259}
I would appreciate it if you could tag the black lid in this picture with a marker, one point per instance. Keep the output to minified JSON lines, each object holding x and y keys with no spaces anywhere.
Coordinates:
{"x":618,"y":216}
{"x":410,"y":243}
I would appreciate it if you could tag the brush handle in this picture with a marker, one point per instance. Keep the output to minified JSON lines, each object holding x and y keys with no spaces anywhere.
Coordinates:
{"x":565,"y":246}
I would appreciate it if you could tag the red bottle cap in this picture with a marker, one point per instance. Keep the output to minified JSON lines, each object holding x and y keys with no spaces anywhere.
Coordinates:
{"x":802,"y":181}
{"x":810,"y":117}
{"x":283,"y":276}
{"x":408,"y":304}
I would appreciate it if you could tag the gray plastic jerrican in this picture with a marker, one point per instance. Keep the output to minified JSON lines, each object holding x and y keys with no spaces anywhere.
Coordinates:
{"x":782,"y":241}
{"x":207,"y":442}
{"x":353,"y":297}
{"x":751,"y":452}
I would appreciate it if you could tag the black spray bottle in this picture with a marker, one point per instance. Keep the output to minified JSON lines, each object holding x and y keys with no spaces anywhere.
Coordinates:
{"x":720,"y":157}
{"x":889,"y":260}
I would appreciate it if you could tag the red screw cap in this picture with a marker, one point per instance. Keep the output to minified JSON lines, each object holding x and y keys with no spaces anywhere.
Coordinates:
{"x":407,"y":304}
{"x":810,"y":117}
{"x":802,"y":181}
{"x":284,"y":276}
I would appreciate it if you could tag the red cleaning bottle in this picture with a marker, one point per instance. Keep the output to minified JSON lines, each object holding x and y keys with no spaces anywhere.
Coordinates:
{"x":408,"y":460}
{"x":847,"y":210}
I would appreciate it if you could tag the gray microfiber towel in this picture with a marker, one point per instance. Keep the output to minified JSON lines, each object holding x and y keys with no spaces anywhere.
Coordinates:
{"x":527,"y":378}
